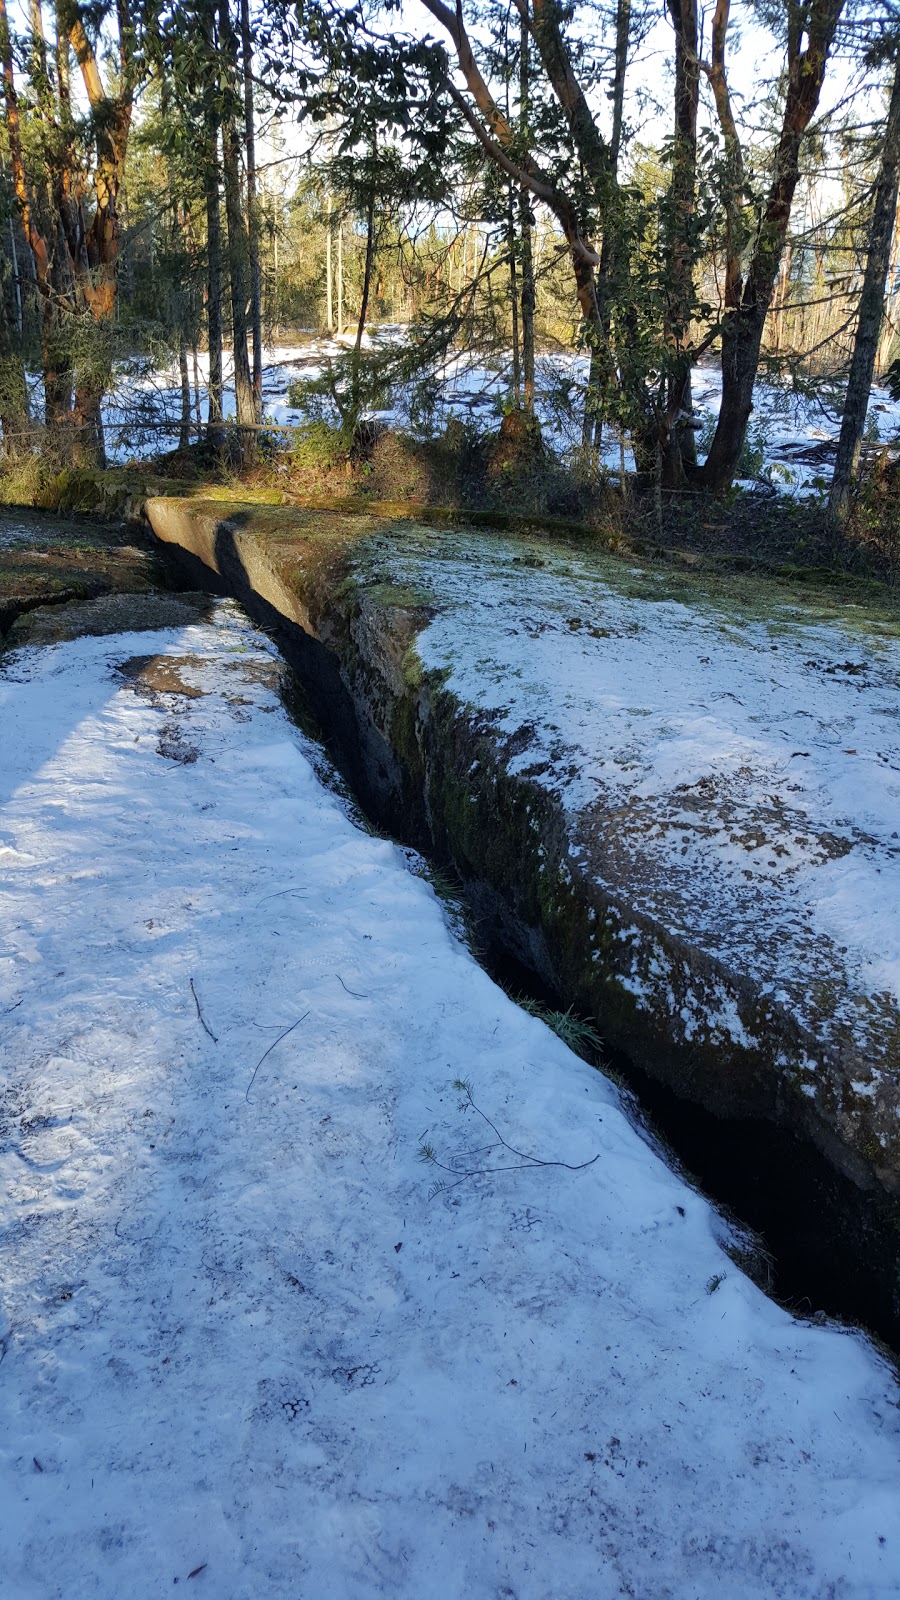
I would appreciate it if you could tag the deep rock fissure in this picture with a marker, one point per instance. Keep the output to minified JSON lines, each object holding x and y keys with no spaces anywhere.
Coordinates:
{"x":401,"y":749}
{"x":777,"y":1186}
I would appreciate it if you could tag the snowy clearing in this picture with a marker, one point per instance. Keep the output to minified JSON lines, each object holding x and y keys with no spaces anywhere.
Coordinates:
{"x":242,"y":1346}
{"x":791,"y":437}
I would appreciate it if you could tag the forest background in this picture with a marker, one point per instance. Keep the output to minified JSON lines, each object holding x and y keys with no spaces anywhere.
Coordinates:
{"x":594,"y":202}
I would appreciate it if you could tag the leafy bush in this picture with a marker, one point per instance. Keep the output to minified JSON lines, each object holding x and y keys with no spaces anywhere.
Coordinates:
{"x":349,"y":387}
{"x":753,"y":450}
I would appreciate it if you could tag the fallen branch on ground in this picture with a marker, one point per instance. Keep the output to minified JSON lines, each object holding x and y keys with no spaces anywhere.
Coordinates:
{"x":203,"y":1022}
{"x":269,"y":1051}
{"x":525,"y":1163}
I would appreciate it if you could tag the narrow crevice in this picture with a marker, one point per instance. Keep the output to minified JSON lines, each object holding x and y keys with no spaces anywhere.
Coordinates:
{"x":779,"y":1189}
{"x":828,"y":1247}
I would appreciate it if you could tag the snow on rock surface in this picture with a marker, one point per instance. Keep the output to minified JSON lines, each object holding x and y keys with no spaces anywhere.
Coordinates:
{"x":753,"y":760}
{"x":242,"y":1342}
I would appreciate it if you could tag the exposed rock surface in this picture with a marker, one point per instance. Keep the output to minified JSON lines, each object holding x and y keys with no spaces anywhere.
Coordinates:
{"x":611,"y":757}
{"x":113,"y":613}
{"x":53,"y":562}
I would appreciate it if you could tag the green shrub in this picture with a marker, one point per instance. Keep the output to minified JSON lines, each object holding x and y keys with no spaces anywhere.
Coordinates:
{"x":317,"y":447}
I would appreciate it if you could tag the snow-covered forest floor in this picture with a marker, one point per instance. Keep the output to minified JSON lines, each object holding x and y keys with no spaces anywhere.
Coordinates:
{"x":241,"y":1344}
{"x":790,"y":443}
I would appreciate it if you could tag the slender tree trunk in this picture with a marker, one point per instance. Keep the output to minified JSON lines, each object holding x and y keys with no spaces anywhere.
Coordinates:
{"x":364,"y":304}
{"x":367,"y":269}
{"x":238,"y":253}
{"x":252,"y":207}
{"x":514,"y":297}
{"x":677,"y":447}
{"x":527,"y":261}
{"x":184,"y":429}
{"x":871,"y":311}
{"x":16,"y":279}
{"x":888,"y":336}
{"x":214,"y":283}
{"x":329,"y":302}
{"x":275,"y":288}
{"x":747,"y":302}
{"x":782,"y":298}
{"x":340,"y":277}
{"x":238,"y":276}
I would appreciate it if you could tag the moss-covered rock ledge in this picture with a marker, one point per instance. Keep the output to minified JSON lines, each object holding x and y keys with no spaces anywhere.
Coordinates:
{"x":676,"y":799}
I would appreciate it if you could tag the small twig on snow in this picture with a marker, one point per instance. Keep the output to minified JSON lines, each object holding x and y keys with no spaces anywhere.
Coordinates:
{"x":269,"y":1051}
{"x":465,"y":1086}
{"x":277,"y":892}
{"x":203,"y":1022}
{"x":354,"y":992}
{"x":525,"y":1163}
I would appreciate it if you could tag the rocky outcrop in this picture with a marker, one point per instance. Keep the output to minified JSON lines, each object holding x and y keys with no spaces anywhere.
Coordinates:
{"x":45,"y":563}
{"x":591,"y":897}
{"x":113,"y":613}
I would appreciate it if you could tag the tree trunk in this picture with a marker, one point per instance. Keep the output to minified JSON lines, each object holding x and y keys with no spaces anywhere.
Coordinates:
{"x":238,"y":277}
{"x":87,"y":423}
{"x":14,"y":417}
{"x":677,"y":446}
{"x":329,"y":298}
{"x":214,"y":283}
{"x":252,"y":207}
{"x":889,"y":326}
{"x":367,"y":270}
{"x":782,"y":299}
{"x":527,"y":260}
{"x":514,"y":297}
{"x":184,"y":428}
{"x":871,"y":311}
{"x":238,"y":252}
{"x":37,"y":243}
{"x":747,"y":306}
{"x":602,"y":367}
{"x":364,"y":305}
{"x":16,"y":277}
{"x":95,"y":254}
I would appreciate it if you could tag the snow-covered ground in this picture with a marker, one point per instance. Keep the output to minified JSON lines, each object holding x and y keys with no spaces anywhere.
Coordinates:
{"x":790,"y":438}
{"x":242,"y":1346}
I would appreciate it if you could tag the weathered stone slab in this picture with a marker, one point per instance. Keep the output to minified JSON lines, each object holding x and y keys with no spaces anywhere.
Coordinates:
{"x":112,"y":613}
{"x":50,"y":563}
{"x":676,"y":799}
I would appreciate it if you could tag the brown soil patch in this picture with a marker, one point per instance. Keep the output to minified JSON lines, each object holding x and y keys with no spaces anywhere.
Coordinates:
{"x":162,"y":674}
